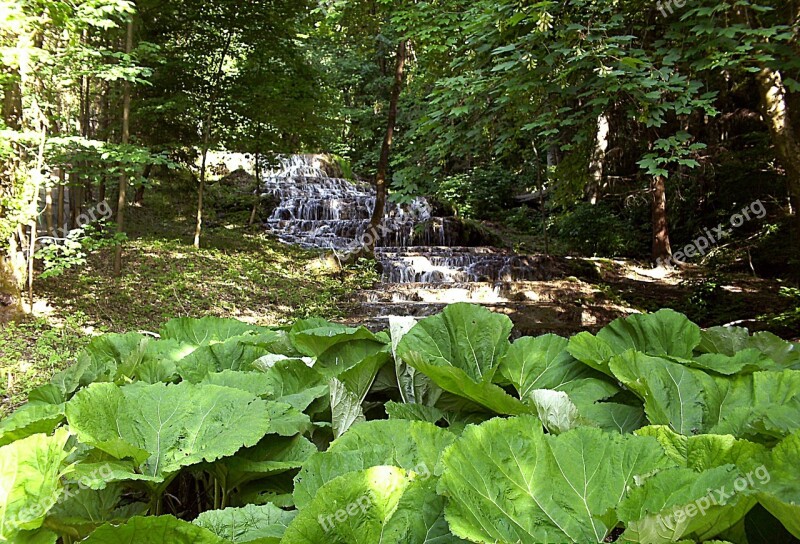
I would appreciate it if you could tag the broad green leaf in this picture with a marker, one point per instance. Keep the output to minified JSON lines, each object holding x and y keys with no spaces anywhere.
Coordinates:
{"x":672,"y":393}
{"x":30,"y":481}
{"x":154,"y":530}
{"x":545,"y":363}
{"x":236,"y":353}
{"x":665,"y":333}
{"x":680,"y":503}
{"x":464,"y":336}
{"x":208,"y":330}
{"x":30,"y":419}
{"x":346,"y":408}
{"x":316,"y":341}
{"x":456,"y":421}
{"x":379,"y":505}
{"x":412,"y":445}
{"x":454,"y":380}
{"x":273,"y":455}
{"x":780,"y":487}
{"x":415,"y":387}
{"x":255,"y":383}
{"x":257,"y":524}
{"x":506,"y":481}
{"x":174,"y":425}
{"x":293,"y":382}
{"x":611,"y":416}
{"x":82,"y":510}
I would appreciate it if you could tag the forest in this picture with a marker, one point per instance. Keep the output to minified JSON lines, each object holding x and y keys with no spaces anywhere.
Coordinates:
{"x":394,"y":271}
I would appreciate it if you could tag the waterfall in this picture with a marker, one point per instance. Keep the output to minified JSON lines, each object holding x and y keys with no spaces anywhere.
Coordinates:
{"x":318,"y":211}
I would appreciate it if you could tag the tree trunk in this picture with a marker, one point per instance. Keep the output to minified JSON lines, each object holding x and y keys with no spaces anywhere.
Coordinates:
{"x":257,"y":197}
{"x":662,"y":250}
{"x":12,"y":279}
{"x":122,"y":201}
{"x":373,"y":231}
{"x":207,"y":141}
{"x":60,"y":213}
{"x":138,"y":198}
{"x":776,"y":113}
{"x":598,"y":159}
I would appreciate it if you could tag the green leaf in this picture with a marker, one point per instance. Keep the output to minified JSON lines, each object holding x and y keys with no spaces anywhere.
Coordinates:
{"x":174,"y":425}
{"x":672,"y":393}
{"x":411,"y":445}
{"x":464,"y":336}
{"x":154,"y":530}
{"x":293,"y":382}
{"x":381,"y":505}
{"x":82,"y":510}
{"x":780,"y":489}
{"x":545,"y":363}
{"x":30,"y":481}
{"x":257,"y":524}
{"x":30,"y":419}
{"x":460,"y":350}
{"x":506,"y":481}
{"x":208,"y":330}
{"x":664,"y":333}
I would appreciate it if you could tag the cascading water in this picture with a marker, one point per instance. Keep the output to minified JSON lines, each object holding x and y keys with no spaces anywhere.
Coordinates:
{"x":427,"y":261}
{"x":316,"y":210}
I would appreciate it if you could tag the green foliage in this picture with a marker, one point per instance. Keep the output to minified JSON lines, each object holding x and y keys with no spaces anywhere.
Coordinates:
{"x":635,"y":425}
{"x":597,"y":230}
{"x":58,"y":255}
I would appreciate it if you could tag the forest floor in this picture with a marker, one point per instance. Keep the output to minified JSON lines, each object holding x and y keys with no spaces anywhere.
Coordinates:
{"x":243,"y":273}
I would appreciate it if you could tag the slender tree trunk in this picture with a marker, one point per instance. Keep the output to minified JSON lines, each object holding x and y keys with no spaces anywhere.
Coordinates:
{"x":207,"y":141}
{"x":60,"y":213}
{"x":777,"y":116}
{"x":598,"y":159}
{"x":257,"y":197}
{"x":138,"y":198}
{"x":48,"y":210}
{"x":662,"y":249}
{"x":373,"y":232}
{"x":122,"y":201}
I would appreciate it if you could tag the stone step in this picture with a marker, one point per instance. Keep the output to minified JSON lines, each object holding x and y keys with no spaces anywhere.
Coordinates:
{"x":482,"y":292}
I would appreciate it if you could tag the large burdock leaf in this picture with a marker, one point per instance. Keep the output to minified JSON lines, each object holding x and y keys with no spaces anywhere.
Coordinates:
{"x":208,"y":330}
{"x":463,"y":336}
{"x":460,"y":351}
{"x":665,"y":333}
{"x":154,"y":530}
{"x":673,"y":394}
{"x":256,"y":524}
{"x":236,"y":353}
{"x":174,"y":425}
{"x":412,"y":445}
{"x":379,"y":505}
{"x":32,"y":418}
{"x":415,"y":387}
{"x":780,"y":485}
{"x":712,"y":489}
{"x":544,"y":363}
{"x":506,"y":481}
{"x":30,"y":481}
{"x":84,"y":510}
{"x":680,"y":503}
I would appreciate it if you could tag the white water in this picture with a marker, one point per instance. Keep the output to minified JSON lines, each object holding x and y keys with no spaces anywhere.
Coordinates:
{"x":319,"y":211}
